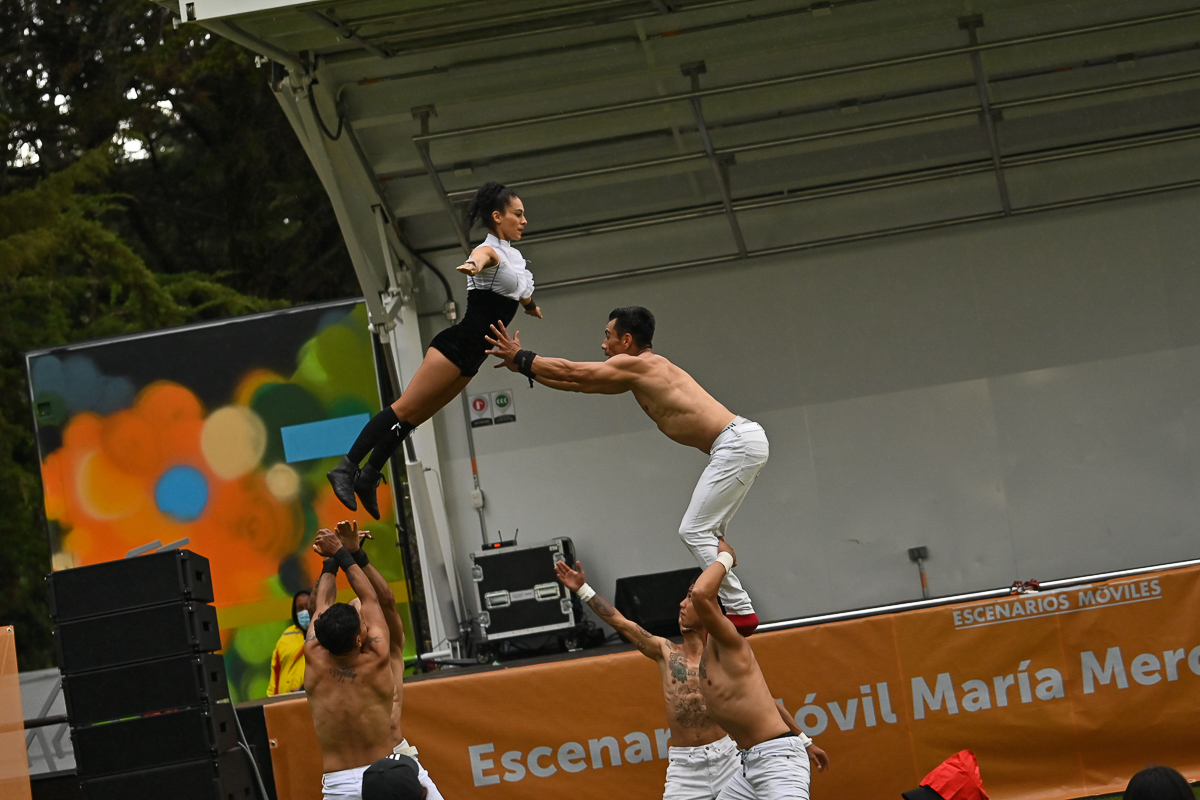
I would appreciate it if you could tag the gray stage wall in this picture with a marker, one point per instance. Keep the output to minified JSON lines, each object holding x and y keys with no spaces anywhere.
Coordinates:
{"x":1022,"y":397}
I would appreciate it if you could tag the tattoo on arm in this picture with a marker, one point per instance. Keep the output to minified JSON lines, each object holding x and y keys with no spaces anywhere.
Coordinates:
{"x":602,"y":607}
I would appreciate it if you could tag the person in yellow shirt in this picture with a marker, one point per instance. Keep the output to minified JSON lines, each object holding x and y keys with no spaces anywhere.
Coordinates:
{"x":287,"y":662}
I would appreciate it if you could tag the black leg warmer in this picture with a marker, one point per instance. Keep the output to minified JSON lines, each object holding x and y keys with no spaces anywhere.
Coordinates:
{"x":389,"y":442}
{"x":375,"y":430}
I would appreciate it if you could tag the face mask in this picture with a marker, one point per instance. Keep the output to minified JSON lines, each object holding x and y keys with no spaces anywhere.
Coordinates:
{"x":304,"y":618}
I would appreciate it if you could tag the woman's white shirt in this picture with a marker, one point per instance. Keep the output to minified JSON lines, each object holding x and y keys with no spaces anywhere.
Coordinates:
{"x":510,"y":277}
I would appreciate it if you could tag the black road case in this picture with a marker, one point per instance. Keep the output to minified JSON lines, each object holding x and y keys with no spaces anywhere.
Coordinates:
{"x":517,"y":591}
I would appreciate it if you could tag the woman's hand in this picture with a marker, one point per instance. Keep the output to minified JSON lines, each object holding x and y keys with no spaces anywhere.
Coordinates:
{"x":469,"y":268}
{"x":533,"y":310}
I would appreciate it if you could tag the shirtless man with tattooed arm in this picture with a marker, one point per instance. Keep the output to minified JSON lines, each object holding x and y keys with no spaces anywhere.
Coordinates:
{"x":702,"y":756}
{"x":347,"y":675}
{"x":774,"y":764}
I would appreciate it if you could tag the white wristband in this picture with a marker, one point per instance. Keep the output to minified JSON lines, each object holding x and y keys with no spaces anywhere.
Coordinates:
{"x":805,"y":740}
{"x":726,"y":560}
{"x":585,"y":592}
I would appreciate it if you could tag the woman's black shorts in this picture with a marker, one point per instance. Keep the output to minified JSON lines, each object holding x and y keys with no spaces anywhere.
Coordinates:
{"x":463,"y":343}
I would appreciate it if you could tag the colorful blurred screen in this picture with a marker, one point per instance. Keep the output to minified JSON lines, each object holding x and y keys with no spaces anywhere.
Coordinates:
{"x":221,"y":433}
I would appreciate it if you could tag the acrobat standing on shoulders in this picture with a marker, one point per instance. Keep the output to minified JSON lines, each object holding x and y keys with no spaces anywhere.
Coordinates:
{"x":737,"y":448}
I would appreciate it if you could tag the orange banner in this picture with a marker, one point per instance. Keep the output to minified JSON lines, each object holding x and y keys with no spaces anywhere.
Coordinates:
{"x":1060,"y":694}
{"x":14,"y":763}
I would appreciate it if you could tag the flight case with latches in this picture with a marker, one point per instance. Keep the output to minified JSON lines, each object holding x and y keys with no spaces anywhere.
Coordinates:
{"x":517,"y":591}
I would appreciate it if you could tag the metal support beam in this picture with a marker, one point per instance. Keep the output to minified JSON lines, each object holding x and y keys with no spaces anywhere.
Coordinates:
{"x":233,"y":33}
{"x":693,"y":70}
{"x":838,"y":133}
{"x":345,"y":32}
{"x":329,"y":160}
{"x":971,"y":24}
{"x":806,"y":194}
{"x":866,"y":236}
{"x":423,"y":113}
{"x":849,"y":69}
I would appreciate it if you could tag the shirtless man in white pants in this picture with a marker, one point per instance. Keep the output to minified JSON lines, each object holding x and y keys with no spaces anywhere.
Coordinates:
{"x":351,"y":538}
{"x":774,"y":765}
{"x":736,"y":447}
{"x":347,"y":675}
{"x":702,"y":756}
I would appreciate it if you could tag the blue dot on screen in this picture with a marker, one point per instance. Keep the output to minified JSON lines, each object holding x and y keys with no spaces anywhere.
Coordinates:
{"x":181,"y":493}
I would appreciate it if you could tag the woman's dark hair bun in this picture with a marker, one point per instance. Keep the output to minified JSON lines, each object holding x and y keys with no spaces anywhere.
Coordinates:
{"x":491,"y":197}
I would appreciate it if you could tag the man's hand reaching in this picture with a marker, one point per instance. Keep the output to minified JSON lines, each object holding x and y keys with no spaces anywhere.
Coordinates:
{"x":573,"y":579}
{"x":327,"y":543}
{"x":350,"y":536}
{"x":504,"y":347}
{"x":723,"y":547}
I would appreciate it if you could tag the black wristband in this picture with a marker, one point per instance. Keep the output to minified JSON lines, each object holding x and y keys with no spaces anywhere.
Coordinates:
{"x":344,"y":559}
{"x":360,"y":557}
{"x":330,"y":568}
{"x":524,"y":361}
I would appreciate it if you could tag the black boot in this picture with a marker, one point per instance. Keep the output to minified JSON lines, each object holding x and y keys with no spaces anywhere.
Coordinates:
{"x":364,"y":486}
{"x":342,"y":478}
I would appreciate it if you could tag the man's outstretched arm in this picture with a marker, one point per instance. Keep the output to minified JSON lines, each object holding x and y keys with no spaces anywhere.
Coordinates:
{"x":324,"y":595}
{"x":351,"y":539}
{"x":704,"y":599}
{"x":614,"y":376}
{"x":575,"y":579}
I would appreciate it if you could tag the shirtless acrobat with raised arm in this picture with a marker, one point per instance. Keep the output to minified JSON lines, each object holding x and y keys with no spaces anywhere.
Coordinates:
{"x":774,"y":763}
{"x":702,"y":756}
{"x":737,"y":448}
{"x":351,"y":538}
{"x":348,"y":678}
{"x":347,"y":675}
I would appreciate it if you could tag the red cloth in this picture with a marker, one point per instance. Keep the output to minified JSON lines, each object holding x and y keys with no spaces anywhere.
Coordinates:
{"x":957,"y":778}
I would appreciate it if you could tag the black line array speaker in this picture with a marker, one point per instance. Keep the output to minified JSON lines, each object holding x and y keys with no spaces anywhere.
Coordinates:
{"x":652,"y":601}
{"x":146,"y":688}
{"x":155,"y":740}
{"x":148,"y":702}
{"x":128,"y":637}
{"x":148,"y":580}
{"x":226,"y":777}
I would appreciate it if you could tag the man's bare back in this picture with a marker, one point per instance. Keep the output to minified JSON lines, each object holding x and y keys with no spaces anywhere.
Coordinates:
{"x":679,"y":406}
{"x":350,"y":696}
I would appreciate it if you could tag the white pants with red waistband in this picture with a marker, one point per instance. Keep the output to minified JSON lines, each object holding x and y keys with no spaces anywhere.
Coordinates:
{"x":776,"y":769}
{"x":737,"y":455}
{"x":699,"y":773}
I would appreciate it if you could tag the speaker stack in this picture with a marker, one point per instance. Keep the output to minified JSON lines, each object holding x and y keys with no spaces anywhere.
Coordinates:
{"x":147,"y":699}
{"x":652,"y":601}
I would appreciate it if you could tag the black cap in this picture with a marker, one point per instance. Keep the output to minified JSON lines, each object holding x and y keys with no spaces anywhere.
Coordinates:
{"x":392,"y":778}
{"x":921,"y":793}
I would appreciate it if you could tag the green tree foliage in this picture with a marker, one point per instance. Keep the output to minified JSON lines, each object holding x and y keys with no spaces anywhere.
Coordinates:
{"x":213,"y":178}
{"x":149,"y":179}
{"x":64,"y":277}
